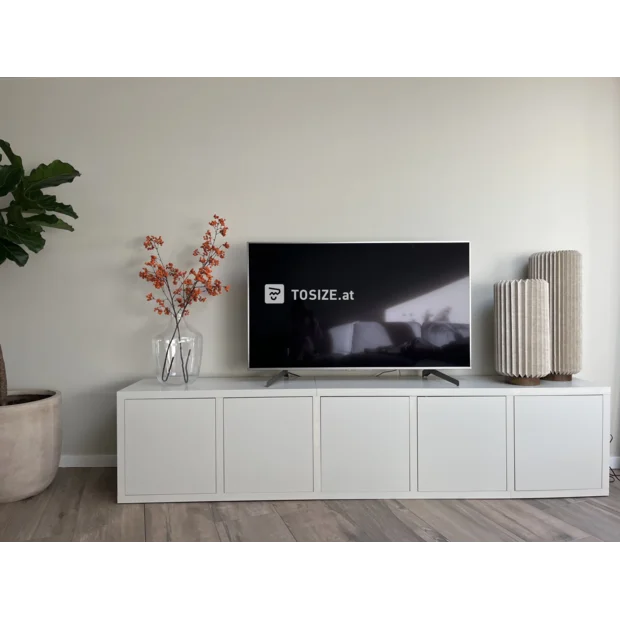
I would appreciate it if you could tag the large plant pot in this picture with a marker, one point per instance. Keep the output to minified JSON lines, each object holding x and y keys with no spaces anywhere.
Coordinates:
{"x":30,"y":442}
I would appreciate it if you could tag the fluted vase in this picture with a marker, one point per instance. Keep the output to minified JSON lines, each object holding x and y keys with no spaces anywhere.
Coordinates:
{"x":522,"y":335}
{"x":563,"y":272}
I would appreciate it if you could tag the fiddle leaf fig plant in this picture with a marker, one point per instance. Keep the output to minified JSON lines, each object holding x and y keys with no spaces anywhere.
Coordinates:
{"x":28,"y":213}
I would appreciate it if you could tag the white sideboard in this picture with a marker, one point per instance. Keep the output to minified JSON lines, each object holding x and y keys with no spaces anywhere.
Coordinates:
{"x":223,"y":439}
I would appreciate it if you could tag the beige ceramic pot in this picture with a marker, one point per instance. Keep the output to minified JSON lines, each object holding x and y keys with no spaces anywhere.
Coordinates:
{"x":30,"y":442}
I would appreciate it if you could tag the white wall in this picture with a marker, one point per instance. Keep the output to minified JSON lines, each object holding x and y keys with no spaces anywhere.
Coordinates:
{"x":514,"y":166}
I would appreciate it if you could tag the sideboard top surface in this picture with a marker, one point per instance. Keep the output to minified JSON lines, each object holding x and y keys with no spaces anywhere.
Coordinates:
{"x":368,"y":386}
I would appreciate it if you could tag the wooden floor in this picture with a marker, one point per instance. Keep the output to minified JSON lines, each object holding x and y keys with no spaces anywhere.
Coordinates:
{"x":81,"y":505}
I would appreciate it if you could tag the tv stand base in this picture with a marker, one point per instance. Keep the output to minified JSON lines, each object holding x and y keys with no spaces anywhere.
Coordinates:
{"x":441,"y":375}
{"x":283,"y":374}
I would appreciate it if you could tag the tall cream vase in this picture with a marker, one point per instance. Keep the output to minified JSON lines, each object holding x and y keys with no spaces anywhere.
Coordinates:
{"x":562,"y":270}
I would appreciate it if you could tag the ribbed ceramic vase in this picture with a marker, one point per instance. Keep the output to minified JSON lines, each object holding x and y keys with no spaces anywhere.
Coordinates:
{"x":522,"y":335}
{"x":563,"y":272}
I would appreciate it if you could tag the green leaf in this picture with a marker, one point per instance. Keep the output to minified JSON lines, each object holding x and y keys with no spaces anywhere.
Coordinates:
{"x":39,"y":203}
{"x":14,"y":214}
{"x":47,"y":221}
{"x":25,"y":204}
{"x":23,"y":236}
{"x":16,"y":160}
{"x":64,"y":210}
{"x":12,"y":251}
{"x":38,"y":200}
{"x":50,"y":175}
{"x":10,"y":176}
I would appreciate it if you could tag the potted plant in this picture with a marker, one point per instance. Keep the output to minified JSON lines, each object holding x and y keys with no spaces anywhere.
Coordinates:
{"x":30,"y":428}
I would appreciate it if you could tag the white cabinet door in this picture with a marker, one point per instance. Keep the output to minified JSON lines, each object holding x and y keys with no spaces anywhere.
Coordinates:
{"x":364,"y":444}
{"x":169,"y":446}
{"x":462,"y":443}
{"x":268,"y":445}
{"x":558,"y":443}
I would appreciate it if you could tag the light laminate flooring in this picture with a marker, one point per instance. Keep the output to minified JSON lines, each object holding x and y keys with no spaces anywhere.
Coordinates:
{"x":80,"y":505}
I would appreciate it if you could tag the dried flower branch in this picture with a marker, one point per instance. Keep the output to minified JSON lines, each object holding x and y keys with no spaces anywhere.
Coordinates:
{"x":180,"y":288}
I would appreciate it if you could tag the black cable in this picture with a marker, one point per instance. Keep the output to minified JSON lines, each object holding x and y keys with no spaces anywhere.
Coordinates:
{"x":613,"y":473}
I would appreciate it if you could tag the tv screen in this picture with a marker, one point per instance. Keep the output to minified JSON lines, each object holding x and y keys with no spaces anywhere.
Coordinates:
{"x":358,"y":305}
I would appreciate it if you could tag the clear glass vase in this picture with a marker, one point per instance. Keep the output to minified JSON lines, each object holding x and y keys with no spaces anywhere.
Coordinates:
{"x":178,"y":353}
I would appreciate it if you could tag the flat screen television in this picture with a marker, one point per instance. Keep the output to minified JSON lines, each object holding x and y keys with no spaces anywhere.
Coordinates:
{"x":359,"y":305}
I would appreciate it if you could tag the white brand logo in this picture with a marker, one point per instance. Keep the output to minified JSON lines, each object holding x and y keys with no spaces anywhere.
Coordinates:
{"x":274,"y":293}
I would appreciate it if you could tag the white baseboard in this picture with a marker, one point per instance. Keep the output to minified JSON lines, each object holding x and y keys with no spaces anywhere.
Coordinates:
{"x":614,"y":462}
{"x":88,"y":460}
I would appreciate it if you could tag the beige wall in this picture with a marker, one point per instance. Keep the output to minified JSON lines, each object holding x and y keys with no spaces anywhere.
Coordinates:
{"x":514,"y":166}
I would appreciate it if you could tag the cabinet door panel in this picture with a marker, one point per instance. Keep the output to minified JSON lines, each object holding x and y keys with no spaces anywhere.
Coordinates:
{"x":364,"y":444}
{"x":268,"y":445}
{"x":462,"y":444}
{"x":558,"y":442}
{"x":169,"y":446}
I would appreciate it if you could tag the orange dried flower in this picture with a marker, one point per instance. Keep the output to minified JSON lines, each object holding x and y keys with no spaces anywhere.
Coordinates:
{"x":180,"y":288}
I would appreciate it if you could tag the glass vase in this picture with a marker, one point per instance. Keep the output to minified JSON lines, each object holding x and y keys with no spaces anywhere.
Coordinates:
{"x":178,"y":353}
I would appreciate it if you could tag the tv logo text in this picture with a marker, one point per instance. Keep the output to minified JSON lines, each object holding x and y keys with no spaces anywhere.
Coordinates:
{"x":274,"y":294}
{"x":322,"y":294}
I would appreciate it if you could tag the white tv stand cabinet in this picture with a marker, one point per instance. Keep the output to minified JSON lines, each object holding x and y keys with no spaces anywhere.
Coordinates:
{"x":333,"y":438}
